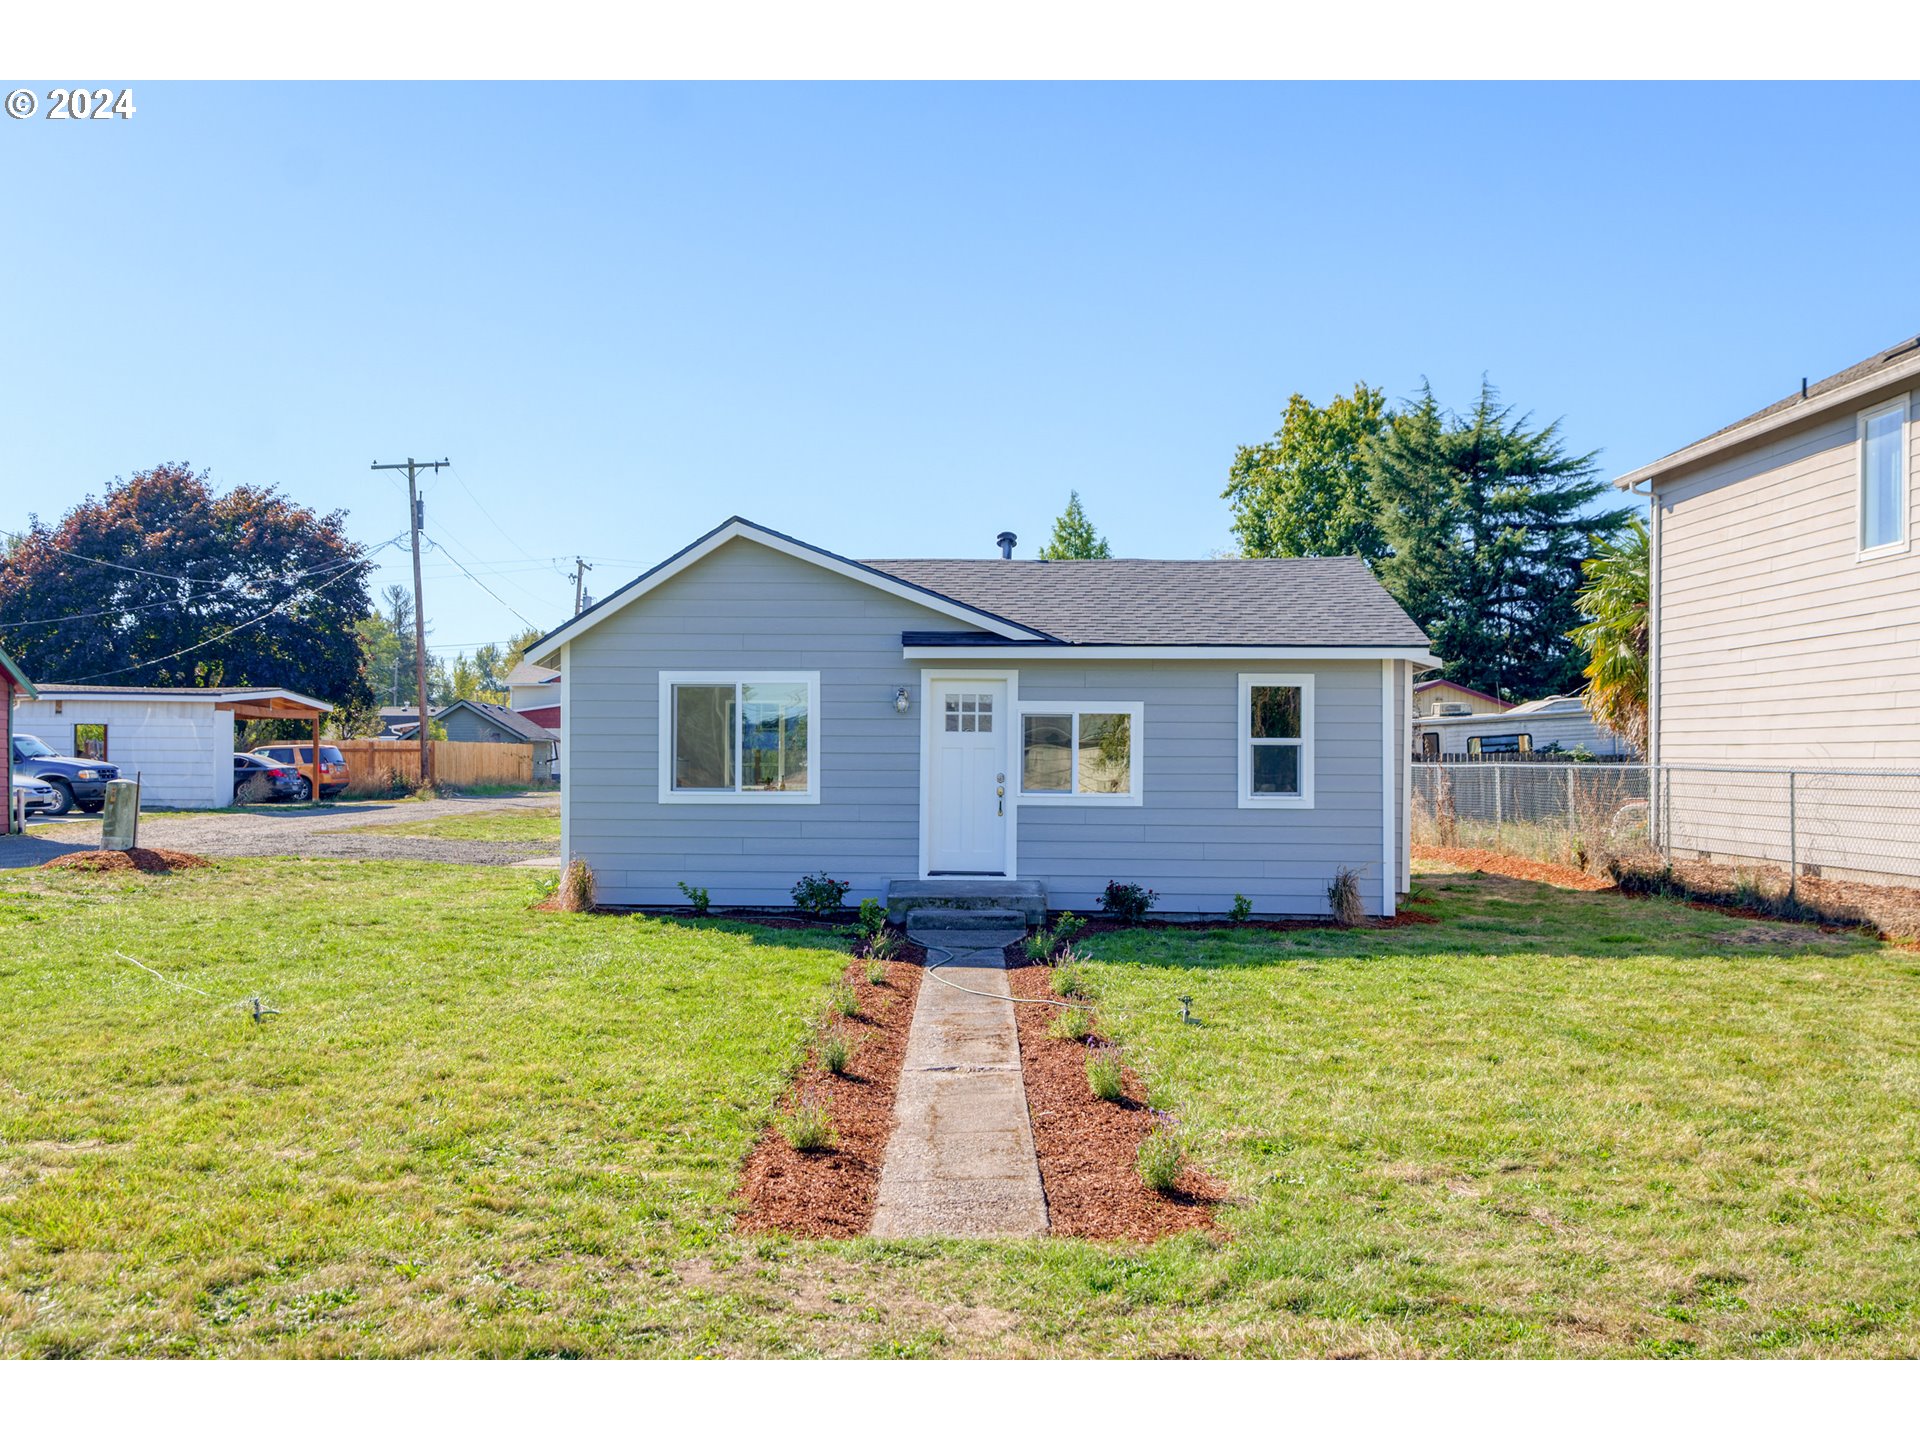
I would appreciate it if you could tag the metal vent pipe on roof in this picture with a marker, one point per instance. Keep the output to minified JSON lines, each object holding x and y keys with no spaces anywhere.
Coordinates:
{"x":1006,"y":540}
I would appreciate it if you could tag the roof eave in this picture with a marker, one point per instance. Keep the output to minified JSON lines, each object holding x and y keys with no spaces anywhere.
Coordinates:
{"x":1743,"y":434}
{"x":1414,"y":654}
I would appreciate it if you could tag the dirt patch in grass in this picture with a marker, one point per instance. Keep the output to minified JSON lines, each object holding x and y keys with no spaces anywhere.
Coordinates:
{"x":1892,"y":912}
{"x":1088,"y":1147}
{"x":1512,"y":866}
{"x":830,"y":1194}
{"x":147,"y":862}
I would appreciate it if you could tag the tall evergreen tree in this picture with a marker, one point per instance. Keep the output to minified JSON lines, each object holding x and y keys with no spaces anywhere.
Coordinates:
{"x":1488,"y":524}
{"x":1074,"y":537}
{"x":1305,"y":491}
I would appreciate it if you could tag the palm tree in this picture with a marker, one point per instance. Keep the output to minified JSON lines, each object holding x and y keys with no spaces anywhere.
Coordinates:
{"x":1614,"y":601}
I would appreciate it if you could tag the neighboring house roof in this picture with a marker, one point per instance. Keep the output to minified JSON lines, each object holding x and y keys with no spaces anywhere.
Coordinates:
{"x":1464,"y":690}
{"x":1032,"y":604}
{"x":212,"y":694}
{"x":527,"y":673}
{"x":18,"y":676}
{"x":1546,"y":705}
{"x":1901,"y":362}
{"x":511,"y":721}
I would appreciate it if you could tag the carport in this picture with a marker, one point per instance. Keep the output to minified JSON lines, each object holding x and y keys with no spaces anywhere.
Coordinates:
{"x":283,"y":705}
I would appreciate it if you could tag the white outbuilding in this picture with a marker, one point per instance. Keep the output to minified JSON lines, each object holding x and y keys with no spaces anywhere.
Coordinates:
{"x":179,"y":741}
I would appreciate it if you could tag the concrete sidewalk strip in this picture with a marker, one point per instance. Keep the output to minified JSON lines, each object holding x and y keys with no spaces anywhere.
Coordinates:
{"x":961,"y":1159}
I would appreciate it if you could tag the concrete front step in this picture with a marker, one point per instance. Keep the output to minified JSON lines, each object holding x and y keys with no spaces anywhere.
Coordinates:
{"x":1026,"y":897}
{"x":924,"y":920}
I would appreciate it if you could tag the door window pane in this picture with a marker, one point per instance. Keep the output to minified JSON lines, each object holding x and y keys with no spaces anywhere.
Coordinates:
{"x":1046,"y":754}
{"x":703,"y":737}
{"x":1276,"y":769}
{"x":773,"y":737}
{"x":1275,"y":712}
{"x":1106,"y":754}
{"x":1883,"y":481}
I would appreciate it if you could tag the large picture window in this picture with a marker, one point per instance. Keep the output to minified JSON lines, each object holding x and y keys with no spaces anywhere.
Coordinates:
{"x":1276,"y":741}
{"x":738,"y":737}
{"x":1883,"y":478}
{"x":1084,"y":753}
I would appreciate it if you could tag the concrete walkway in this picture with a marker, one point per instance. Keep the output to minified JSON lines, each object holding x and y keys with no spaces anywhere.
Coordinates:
{"x":961,"y":1159}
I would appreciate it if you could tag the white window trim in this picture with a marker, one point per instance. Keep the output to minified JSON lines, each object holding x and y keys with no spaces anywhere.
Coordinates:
{"x":1897,"y":406}
{"x":1133,"y":709}
{"x":671,"y":796}
{"x":1243,"y":743}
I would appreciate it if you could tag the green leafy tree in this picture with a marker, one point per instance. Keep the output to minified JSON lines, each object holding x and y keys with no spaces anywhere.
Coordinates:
{"x":516,"y":651}
{"x":1306,"y":491}
{"x":161,"y":581}
{"x":1614,"y":635}
{"x":1488,"y":524}
{"x":1074,"y":537}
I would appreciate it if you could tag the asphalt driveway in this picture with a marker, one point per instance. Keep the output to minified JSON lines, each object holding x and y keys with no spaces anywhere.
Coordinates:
{"x":301,"y":830}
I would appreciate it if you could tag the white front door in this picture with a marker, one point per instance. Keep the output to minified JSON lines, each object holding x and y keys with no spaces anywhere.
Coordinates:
{"x":968,"y":823}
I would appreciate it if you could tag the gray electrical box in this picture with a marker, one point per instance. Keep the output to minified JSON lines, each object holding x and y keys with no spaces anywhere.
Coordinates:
{"x":120,"y":824}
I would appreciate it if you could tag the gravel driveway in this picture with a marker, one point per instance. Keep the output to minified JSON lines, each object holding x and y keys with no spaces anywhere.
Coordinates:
{"x":270,"y":830}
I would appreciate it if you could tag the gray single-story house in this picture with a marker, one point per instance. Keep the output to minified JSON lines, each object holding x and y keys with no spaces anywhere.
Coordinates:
{"x":756,"y":708}
{"x":481,"y":720}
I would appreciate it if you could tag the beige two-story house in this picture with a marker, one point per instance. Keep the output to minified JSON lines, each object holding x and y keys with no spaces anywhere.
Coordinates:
{"x":1785,"y":635}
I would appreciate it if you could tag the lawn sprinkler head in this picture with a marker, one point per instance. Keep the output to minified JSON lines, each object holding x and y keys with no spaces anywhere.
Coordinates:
{"x":1186,"y":1009}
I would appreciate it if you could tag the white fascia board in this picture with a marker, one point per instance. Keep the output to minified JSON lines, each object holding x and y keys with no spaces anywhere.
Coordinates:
{"x":193,"y":697}
{"x":1850,"y":394}
{"x":1168,"y":652}
{"x":551,"y":645}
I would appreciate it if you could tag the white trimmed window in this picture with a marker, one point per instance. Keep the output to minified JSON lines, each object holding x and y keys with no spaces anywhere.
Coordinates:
{"x":1276,"y":741}
{"x":1883,"y":478}
{"x":728,"y":738}
{"x":1086,"y":753}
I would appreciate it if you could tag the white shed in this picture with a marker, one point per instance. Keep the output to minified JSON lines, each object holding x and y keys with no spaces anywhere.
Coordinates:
{"x":180,"y":741}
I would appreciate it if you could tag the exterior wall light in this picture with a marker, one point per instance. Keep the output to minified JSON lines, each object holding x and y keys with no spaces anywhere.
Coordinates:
{"x":902,"y":702}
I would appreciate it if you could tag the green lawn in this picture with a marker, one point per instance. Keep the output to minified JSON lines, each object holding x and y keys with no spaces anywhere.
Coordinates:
{"x":1552,"y":1124}
{"x":510,"y":824}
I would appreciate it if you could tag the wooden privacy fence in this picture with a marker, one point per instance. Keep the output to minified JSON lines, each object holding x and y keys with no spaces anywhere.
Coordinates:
{"x":375,"y":765}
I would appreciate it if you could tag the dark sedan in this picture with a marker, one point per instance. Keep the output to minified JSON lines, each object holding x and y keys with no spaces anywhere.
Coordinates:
{"x":256,"y":778}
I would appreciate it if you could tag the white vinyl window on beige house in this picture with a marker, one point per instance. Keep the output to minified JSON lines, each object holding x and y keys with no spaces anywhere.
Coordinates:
{"x":1883,"y":479}
{"x":1087,"y":753}
{"x":731,"y":738}
{"x":1276,"y":742}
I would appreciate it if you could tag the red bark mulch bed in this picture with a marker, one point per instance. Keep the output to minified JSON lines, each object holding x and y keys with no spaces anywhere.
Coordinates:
{"x":830,"y":1194}
{"x":1096,"y":925}
{"x":1088,"y":1147}
{"x":1512,"y":866}
{"x":147,"y":862}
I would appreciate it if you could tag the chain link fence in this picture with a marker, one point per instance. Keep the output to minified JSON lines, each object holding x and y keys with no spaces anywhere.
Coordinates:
{"x":1859,"y":825}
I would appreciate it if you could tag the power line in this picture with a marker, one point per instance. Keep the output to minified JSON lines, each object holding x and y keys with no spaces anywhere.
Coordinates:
{"x":154,"y":574}
{"x":482,"y":584}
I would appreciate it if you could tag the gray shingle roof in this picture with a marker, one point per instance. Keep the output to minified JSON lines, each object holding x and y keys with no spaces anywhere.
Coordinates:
{"x":509,"y":720}
{"x":1885,"y":360}
{"x":1330,"y":600}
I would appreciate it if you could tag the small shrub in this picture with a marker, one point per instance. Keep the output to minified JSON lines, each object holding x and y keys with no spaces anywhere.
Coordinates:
{"x":1074,"y":1023}
{"x":885,"y":945}
{"x":834,"y":1053}
{"x":1343,"y":897}
{"x":1039,"y":946}
{"x":1162,"y":1155}
{"x":843,"y":1000}
{"x":1126,"y":902}
{"x":575,"y":893}
{"x":1107,"y":1077}
{"x":876,"y":970}
{"x":817,"y":894}
{"x":807,"y":1127}
{"x":1069,"y":980}
{"x":873,"y":920}
{"x":1065,"y":928}
{"x":1242,"y":910}
{"x":697,"y":897}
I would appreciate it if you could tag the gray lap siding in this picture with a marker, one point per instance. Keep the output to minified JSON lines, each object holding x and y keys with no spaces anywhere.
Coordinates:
{"x":746,"y":608}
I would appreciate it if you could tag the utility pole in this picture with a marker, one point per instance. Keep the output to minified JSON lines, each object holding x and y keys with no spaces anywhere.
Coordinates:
{"x":580,"y":568}
{"x":414,"y":516}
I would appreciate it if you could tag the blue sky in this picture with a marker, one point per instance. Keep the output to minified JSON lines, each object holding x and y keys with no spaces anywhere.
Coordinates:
{"x":896,"y":319}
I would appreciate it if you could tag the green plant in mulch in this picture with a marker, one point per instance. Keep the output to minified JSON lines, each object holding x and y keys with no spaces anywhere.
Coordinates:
{"x":1106,"y":1076}
{"x":1073,"y":1023}
{"x":1066,"y":928}
{"x":885,"y":945}
{"x":1162,"y":1155}
{"x":834,"y":1053}
{"x":871,"y":922}
{"x":697,"y":897}
{"x":817,"y":895}
{"x":808,"y":1127}
{"x":1069,"y":979}
{"x":843,"y":1000}
{"x":1127,"y":902}
{"x":876,"y":970}
{"x":1242,"y":910}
